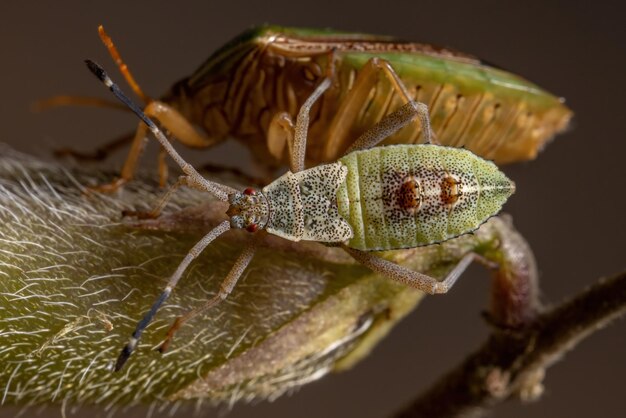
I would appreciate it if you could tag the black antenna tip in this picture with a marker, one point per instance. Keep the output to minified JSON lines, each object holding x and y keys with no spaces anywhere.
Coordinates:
{"x":96,"y":69}
{"x":124,"y":355}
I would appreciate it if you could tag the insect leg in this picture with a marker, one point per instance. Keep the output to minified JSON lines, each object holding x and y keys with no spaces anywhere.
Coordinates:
{"x":67,"y":100}
{"x":280,"y":135}
{"x":298,"y":151}
{"x":375,"y":89}
{"x":218,"y":190}
{"x":281,"y":130}
{"x":156,"y":211}
{"x":115,"y":55}
{"x":173,"y":121}
{"x":420,"y":108}
{"x":101,"y":153}
{"x":225,"y":288}
{"x":141,"y":325}
{"x":390,"y":124}
{"x":411,"y":278}
{"x":169,"y":117}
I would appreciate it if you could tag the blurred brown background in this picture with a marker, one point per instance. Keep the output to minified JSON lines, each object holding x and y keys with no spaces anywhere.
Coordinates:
{"x":570,"y":202}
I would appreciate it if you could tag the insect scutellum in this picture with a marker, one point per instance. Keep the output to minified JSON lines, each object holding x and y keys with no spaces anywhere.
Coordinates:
{"x":372,"y":199}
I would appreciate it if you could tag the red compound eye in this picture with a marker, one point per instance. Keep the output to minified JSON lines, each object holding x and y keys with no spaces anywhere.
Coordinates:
{"x":249,"y":191}
{"x":252,"y":228}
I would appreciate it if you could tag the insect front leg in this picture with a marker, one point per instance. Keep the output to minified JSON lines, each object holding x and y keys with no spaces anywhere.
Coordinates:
{"x":409,"y":277}
{"x":225,"y":288}
{"x":282,"y":131}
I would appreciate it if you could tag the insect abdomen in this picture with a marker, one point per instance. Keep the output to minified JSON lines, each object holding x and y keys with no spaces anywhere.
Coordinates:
{"x":405,"y":196}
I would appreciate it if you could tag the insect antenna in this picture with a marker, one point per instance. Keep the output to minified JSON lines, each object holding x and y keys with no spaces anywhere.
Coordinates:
{"x":141,"y":325}
{"x":195,"y":179}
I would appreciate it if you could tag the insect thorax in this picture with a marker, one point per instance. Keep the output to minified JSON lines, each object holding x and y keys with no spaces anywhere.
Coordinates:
{"x":303,"y":205}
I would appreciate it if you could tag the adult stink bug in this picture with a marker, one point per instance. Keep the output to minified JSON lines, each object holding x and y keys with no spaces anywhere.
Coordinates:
{"x":253,"y":87}
{"x":372,"y":199}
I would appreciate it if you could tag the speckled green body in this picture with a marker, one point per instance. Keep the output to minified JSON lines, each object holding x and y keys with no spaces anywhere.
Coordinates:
{"x":411,"y":195}
{"x":387,"y":198}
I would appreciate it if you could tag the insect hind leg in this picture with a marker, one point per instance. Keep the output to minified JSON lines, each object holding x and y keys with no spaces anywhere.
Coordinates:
{"x":409,"y":277}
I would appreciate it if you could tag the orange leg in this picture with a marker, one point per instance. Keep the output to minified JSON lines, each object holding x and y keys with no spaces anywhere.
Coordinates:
{"x":171,"y":120}
{"x":169,"y":117}
{"x":280,"y":135}
{"x":108,"y":43}
{"x":376,"y":93}
{"x":67,"y":100}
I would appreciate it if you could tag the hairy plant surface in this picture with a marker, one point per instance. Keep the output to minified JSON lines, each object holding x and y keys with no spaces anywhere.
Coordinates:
{"x":75,"y":276}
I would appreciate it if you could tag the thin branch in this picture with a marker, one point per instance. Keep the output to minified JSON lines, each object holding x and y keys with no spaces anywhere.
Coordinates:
{"x":512,"y":363}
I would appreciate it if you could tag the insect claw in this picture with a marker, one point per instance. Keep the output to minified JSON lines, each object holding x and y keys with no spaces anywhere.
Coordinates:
{"x":163,"y":347}
{"x":490,"y":264}
{"x":109,"y":188}
{"x":165,"y":344}
{"x":170,"y":335}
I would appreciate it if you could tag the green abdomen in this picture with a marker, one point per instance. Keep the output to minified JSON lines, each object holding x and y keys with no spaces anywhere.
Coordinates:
{"x":406,"y":196}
